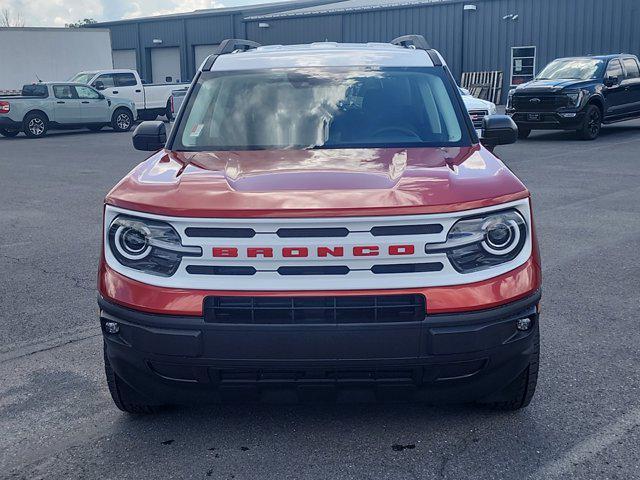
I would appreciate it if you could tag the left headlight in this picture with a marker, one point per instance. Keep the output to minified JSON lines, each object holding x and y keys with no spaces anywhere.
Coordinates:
{"x":575,"y":98}
{"x":148,"y":245}
{"x":483,"y":242}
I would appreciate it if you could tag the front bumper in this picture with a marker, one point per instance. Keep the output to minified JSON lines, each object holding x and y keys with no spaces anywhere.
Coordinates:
{"x":460,"y":357}
{"x":547,"y":120}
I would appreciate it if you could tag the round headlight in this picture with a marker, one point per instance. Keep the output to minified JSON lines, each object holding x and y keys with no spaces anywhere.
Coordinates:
{"x":501,"y":236}
{"x":133,"y":242}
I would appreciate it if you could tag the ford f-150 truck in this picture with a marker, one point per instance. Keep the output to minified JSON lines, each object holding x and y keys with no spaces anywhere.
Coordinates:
{"x":321,"y":218}
{"x":152,"y":100}
{"x":62,"y":106}
{"x":578,"y":93}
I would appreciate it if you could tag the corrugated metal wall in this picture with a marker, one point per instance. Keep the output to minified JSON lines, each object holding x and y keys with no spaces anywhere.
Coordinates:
{"x":481,"y":39}
{"x":470,"y":40}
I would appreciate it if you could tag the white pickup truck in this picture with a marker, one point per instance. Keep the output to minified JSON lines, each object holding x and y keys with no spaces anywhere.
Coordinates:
{"x":151,"y":100}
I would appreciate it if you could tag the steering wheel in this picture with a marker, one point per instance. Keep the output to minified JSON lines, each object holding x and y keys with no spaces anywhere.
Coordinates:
{"x":399,"y":129}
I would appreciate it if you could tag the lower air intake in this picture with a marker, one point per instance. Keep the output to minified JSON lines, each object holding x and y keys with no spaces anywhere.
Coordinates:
{"x":315,"y":310}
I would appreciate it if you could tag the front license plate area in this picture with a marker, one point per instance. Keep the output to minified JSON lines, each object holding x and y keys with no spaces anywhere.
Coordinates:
{"x":534,"y":117}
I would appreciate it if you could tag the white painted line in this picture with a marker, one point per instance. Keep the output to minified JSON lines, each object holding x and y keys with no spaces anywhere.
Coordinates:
{"x":596,"y":443}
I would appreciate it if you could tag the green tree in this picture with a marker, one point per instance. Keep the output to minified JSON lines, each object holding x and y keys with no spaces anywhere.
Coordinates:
{"x":81,"y":23}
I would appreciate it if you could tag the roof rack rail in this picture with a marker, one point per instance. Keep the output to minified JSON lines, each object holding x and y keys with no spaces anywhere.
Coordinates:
{"x":229,"y":46}
{"x":412,"y":41}
{"x":418,"y":42}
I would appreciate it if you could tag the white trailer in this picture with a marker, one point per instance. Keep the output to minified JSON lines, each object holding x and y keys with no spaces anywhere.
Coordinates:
{"x":50,"y":54}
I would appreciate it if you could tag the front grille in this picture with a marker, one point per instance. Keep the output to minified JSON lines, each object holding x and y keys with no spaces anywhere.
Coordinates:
{"x":315,"y":310}
{"x":477,"y":117}
{"x":314,"y":270}
{"x":539,"y":103}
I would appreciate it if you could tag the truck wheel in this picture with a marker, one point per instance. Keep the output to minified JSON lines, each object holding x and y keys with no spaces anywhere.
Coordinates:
{"x":590,"y":129}
{"x":122,"y":120}
{"x":125,"y":398}
{"x":168,"y":113}
{"x":146,"y":116}
{"x":35,"y":125}
{"x":9,"y":133}
{"x":523,"y":133}
{"x":519,"y":393}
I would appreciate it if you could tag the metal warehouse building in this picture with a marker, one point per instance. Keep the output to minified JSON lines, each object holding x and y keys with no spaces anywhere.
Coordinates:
{"x":513,"y":37}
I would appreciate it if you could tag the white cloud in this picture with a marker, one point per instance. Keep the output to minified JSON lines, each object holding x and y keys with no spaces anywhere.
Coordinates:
{"x":56,"y":13}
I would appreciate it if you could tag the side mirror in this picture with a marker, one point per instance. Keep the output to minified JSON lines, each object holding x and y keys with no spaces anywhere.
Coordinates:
{"x":498,"y":130}
{"x":611,"y":81}
{"x":99,"y":85}
{"x":150,"y":136}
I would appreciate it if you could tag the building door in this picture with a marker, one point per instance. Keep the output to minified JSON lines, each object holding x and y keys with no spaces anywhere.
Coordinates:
{"x":165,"y":65}
{"x":125,"y":59}
{"x":202,"y":52}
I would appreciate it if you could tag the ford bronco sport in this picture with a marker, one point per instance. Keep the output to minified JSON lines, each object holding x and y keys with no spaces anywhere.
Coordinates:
{"x":321,"y":219}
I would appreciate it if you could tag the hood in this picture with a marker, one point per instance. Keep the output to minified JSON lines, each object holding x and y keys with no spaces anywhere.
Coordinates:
{"x":317,"y":183}
{"x":550,"y":85}
{"x":473,"y":103}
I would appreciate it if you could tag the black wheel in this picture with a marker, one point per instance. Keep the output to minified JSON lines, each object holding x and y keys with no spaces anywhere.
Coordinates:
{"x":523,"y":133}
{"x":122,"y":120}
{"x":6,"y":132}
{"x":519,"y":393}
{"x":590,"y":129}
{"x":35,"y":125}
{"x":168,"y":113}
{"x":95,"y":128}
{"x":146,"y":116}
{"x":125,"y":398}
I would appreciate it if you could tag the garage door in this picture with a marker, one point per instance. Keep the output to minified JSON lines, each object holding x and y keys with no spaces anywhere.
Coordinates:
{"x":125,"y":59}
{"x":203,"y":51}
{"x":165,"y":65}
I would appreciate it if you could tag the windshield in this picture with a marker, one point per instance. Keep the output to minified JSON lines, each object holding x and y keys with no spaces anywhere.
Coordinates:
{"x":309,"y":108}
{"x":83,"y":77}
{"x":573,"y":69}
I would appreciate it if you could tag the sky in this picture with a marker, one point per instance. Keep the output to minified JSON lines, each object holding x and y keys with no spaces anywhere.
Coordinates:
{"x":56,"y":13}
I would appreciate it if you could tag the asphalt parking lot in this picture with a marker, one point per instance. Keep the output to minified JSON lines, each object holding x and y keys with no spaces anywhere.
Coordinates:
{"x":58,"y":422}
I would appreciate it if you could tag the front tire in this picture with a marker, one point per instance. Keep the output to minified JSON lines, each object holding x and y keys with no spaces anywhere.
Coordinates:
{"x":523,"y":133}
{"x":9,"y":133}
{"x":519,"y":393}
{"x":125,"y":398}
{"x":590,"y":129}
{"x":35,"y":125}
{"x":122,"y":120}
{"x":168,"y":113}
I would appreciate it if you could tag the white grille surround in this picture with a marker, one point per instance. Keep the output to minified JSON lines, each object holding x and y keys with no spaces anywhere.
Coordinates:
{"x":360,"y":275}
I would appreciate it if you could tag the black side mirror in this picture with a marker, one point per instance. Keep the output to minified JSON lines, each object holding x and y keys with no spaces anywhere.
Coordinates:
{"x":611,"y":81}
{"x":498,"y":130}
{"x":99,"y":85}
{"x":150,"y":136}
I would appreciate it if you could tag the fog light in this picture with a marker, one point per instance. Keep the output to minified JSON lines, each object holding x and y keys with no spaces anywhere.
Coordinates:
{"x":111,"y":327}
{"x":524,"y":324}
{"x":568,"y":115}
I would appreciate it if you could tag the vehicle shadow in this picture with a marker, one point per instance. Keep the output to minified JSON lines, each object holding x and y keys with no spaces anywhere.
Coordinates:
{"x":607,"y":131}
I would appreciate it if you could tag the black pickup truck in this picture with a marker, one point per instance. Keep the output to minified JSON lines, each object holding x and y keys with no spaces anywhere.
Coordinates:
{"x":579,"y":93}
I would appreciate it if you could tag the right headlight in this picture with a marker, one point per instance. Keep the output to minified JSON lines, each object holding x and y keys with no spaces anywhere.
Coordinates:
{"x":483,"y":242}
{"x":147,"y":245}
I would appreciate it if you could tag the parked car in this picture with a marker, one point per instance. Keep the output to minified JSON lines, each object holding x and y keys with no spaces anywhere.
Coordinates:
{"x":478,"y":108}
{"x":151,"y":100}
{"x":177,"y":97}
{"x":62,"y":106}
{"x":578,"y":93}
{"x":316,"y":228}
